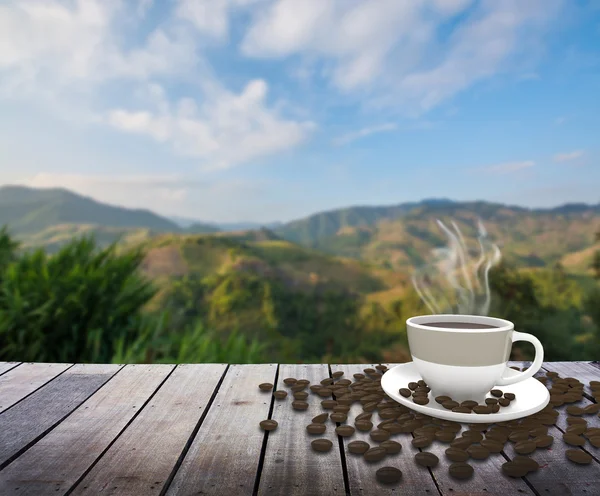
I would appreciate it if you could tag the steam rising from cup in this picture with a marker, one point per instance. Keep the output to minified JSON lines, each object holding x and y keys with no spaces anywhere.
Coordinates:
{"x":453,"y":282}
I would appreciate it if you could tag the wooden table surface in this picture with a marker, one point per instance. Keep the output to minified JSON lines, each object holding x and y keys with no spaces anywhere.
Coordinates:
{"x":193,"y":429}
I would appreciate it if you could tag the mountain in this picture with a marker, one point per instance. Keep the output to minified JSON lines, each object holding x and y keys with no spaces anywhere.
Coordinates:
{"x":27,"y":210}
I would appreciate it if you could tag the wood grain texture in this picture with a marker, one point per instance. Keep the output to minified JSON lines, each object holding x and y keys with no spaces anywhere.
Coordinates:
{"x":6,"y":366}
{"x":144,"y":455}
{"x":487,"y":479}
{"x":416,"y":480}
{"x":585,"y":372}
{"x":224,"y":455}
{"x":557,"y":475}
{"x":73,"y":446}
{"x":41,"y":411}
{"x":21,"y":381}
{"x":291,"y":467}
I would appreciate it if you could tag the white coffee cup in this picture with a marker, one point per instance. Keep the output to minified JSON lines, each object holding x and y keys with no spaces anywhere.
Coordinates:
{"x":465,"y":356}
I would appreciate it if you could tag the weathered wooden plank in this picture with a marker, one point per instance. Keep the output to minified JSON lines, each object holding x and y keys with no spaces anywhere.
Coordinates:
{"x":291,"y":467}
{"x":34,"y":416}
{"x":585,"y":372}
{"x":21,"y":381}
{"x":224,"y":455}
{"x":416,"y":480}
{"x":557,"y":475}
{"x":488,"y":477}
{"x":144,"y":455}
{"x":59,"y":459}
{"x":6,"y":366}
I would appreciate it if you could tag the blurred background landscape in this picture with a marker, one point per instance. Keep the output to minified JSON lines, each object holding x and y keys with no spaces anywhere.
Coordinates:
{"x":85,"y":281}
{"x":258,"y":180}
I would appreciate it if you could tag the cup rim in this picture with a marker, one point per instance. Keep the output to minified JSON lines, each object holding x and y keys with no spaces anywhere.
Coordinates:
{"x":500,"y":324}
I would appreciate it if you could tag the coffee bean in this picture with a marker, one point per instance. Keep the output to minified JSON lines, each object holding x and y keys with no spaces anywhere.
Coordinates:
{"x":422,"y":441}
{"x":426,"y":459}
{"x":539,"y":431}
{"x":478,"y":427}
{"x":338,"y":417}
{"x":321,"y":445}
{"x":369,"y":371}
{"x":543,"y":441}
{"x":369,"y":407}
{"x":363,"y":425}
{"x":290,"y":381}
{"x":497,"y":436}
{"x":461,"y":409}
{"x":576,"y":420}
{"x":298,"y":387}
{"x":325,"y":392}
{"x":450,"y":404}
{"x":576,"y":429}
{"x":405,"y":392}
{"x":495,"y":408}
{"x":320,"y":419}
{"x":345,"y":430}
{"x":341,"y":408}
{"x":496,"y":393}
{"x":470,"y":404}
{"x":299,"y":405}
{"x":509,"y":396}
{"x":595,"y":440}
{"x":391,"y":447}
{"x":280,"y":394}
{"x":457,"y":455}
{"x":268,"y":425}
{"x":524,"y":461}
{"x":358,"y":376}
{"x":460,"y":470}
{"x":591,"y":432}
{"x":504,"y":402}
{"x":474,"y":436}
{"x":315,"y":428}
{"x":579,"y":456}
{"x":574,"y":410}
{"x":420,"y":401}
{"x":525,"y":447}
{"x":358,"y":447}
{"x":514,"y":470}
{"x":388,"y":475}
{"x":380,"y":435}
{"x":303,"y":382}
{"x":492,"y":446}
{"x":441,"y":399}
{"x":482,"y":410}
{"x":315,"y":388}
{"x":374,"y":454}
{"x":328,"y":404}
{"x":478,"y":452}
{"x":364,"y":416}
{"x":491,"y":401}
{"x":461,"y":443}
{"x":265,"y":386}
{"x":445,"y":436}
{"x":552,"y":375}
{"x":327,"y":381}
{"x":413,"y":385}
{"x":338,"y":374}
{"x":591,"y":409}
{"x":300,"y":395}
{"x":573,"y":439}
{"x":518,"y":436}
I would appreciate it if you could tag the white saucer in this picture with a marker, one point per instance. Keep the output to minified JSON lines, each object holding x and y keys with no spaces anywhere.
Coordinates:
{"x":531,"y":397}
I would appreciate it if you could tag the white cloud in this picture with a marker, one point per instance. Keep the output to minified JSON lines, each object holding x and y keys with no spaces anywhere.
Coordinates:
{"x":569,"y":156}
{"x":225,"y":130}
{"x":364,"y":132}
{"x":508,"y":167}
{"x":394,"y":48}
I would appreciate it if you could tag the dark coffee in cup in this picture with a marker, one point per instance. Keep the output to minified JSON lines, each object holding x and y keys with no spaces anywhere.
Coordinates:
{"x":460,"y":325}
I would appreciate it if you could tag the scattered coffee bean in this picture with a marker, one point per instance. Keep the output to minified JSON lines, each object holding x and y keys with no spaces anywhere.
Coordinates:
{"x":496,"y":393}
{"x":579,"y":456}
{"x":420,"y":401}
{"x":518,"y":436}
{"x":422,"y":441}
{"x":461,"y":409}
{"x":539,"y":431}
{"x":388,"y":475}
{"x":321,"y":445}
{"x":441,"y":399}
{"x":482,"y":410}
{"x":573,"y":439}
{"x":299,"y":387}
{"x":375,"y":454}
{"x":445,"y":436}
{"x":265,"y":386}
{"x":339,"y":417}
{"x":379,"y":435}
{"x":290,"y":381}
{"x":461,"y":443}
{"x":328,"y":404}
{"x":405,"y":392}
{"x":457,"y":455}
{"x":300,"y":395}
{"x":491,"y":401}
{"x":474,"y":436}
{"x":504,"y":402}
{"x":595,"y":441}
{"x":513,"y":469}
{"x":478,"y":452}
{"x":543,"y":441}
{"x":299,"y":405}
{"x":529,"y":463}
{"x":509,"y":396}
{"x":280,"y":394}
{"x":341,"y":408}
{"x":426,"y":459}
{"x":338,"y":374}
{"x":574,"y":410}
{"x":321,"y":418}
{"x":470,"y":404}
{"x":391,"y":447}
{"x":460,"y":470}
{"x":268,"y":425}
{"x":363,"y":425}
{"x":576,"y":420}
{"x":450,"y":404}
{"x":492,"y":446}
{"x":525,"y":447}
{"x":315,"y":428}
{"x":345,"y":430}
{"x":358,"y":447}
{"x":576,"y":429}
{"x":591,"y":409}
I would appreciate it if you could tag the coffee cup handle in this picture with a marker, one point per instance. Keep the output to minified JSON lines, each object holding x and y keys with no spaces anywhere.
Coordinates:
{"x":535,"y":366}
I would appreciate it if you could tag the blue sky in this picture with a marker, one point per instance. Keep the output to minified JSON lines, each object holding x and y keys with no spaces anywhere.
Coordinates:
{"x":264,"y":110}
